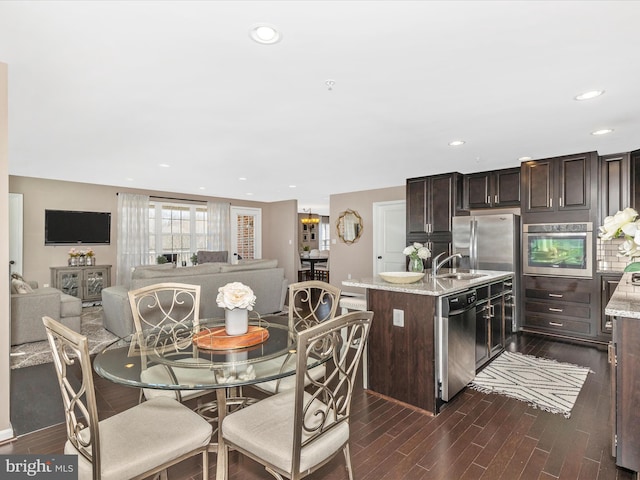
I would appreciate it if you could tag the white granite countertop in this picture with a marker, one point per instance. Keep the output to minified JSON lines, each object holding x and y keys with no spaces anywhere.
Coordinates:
{"x":625,"y":301}
{"x":430,"y":285}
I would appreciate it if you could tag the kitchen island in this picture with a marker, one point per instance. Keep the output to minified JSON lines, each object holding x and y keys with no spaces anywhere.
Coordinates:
{"x":624,"y":357}
{"x":408,"y":356}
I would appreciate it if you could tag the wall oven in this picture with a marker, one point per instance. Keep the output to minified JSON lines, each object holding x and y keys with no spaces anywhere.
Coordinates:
{"x":558,"y":249}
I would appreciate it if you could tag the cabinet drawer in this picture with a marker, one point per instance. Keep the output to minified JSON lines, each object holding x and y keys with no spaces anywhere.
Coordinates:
{"x":560,"y":296}
{"x":558,"y":308}
{"x":562,"y":325}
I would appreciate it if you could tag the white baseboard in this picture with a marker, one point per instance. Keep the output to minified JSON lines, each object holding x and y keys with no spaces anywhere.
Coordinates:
{"x":6,"y":434}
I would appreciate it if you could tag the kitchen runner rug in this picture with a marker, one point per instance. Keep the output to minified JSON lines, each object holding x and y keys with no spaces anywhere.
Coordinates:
{"x":545,"y":384}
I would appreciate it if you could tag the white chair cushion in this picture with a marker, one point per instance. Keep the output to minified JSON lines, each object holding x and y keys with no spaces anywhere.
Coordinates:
{"x":158,"y":374}
{"x":144,"y":436}
{"x":286,"y":383}
{"x":266,"y":429}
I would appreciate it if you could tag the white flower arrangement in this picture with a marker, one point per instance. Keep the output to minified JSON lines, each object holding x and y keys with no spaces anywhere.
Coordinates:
{"x":624,"y":224}
{"x":235,"y":295}
{"x":417,"y":250}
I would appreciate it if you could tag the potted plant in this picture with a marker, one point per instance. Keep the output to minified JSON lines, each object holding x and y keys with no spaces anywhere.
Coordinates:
{"x":161,"y":259}
{"x":194,"y":259}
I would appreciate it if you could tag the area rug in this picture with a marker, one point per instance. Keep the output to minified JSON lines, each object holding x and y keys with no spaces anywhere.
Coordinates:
{"x":37,"y":353}
{"x":545,"y":384}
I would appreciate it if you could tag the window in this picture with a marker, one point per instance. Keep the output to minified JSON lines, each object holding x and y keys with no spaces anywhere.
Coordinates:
{"x":245,"y":232}
{"x":176,"y":230}
{"x":325,"y":233}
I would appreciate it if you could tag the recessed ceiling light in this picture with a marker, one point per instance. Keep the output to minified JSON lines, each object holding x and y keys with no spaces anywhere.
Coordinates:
{"x":249,"y":193}
{"x":292,"y":186}
{"x":129,"y":179}
{"x":589,"y":95}
{"x":242,"y":178}
{"x":265,"y":34}
{"x":164,"y":165}
{"x":456,"y":143}
{"x":602,"y":131}
{"x":202,"y":188}
{"x":524,"y":159}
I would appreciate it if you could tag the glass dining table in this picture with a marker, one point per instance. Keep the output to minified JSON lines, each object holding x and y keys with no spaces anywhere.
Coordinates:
{"x":208,"y":360}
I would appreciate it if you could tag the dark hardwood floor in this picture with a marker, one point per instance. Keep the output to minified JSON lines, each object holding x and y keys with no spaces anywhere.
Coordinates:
{"x":477,"y":436}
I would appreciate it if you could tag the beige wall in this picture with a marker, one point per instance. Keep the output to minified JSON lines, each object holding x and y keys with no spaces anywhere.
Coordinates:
{"x":6,"y":432}
{"x":357,"y":258}
{"x":40,"y":194}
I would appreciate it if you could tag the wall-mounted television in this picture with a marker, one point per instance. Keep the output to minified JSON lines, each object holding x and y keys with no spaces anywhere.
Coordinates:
{"x":70,"y":227}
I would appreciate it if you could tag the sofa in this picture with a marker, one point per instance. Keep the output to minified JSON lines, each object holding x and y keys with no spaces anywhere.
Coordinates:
{"x":263,"y":276}
{"x":29,"y":306}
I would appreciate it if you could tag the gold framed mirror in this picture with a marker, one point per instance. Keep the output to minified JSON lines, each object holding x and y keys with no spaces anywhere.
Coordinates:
{"x":349,"y":226}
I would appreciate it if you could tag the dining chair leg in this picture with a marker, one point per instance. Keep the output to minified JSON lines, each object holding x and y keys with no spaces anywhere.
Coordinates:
{"x":222,"y":462}
{"x":347,"y":459}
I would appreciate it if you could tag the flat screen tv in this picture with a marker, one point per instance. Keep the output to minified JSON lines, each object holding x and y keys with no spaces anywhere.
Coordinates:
{"x":66,"y":227}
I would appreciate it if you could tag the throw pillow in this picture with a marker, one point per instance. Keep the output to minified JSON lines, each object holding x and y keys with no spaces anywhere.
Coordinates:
{"x":20,"y":286}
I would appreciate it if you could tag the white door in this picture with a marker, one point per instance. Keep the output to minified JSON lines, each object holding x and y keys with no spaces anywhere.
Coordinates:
{"x":15,"y":233}
{"x":246,"y":233}
{"x":389,"y":239}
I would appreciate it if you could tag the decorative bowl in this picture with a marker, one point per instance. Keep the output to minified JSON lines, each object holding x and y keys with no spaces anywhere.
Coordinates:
{"x":401,"y":277}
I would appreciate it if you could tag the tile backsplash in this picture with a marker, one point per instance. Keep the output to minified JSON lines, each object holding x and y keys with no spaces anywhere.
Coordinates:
{"x":607,"y":255}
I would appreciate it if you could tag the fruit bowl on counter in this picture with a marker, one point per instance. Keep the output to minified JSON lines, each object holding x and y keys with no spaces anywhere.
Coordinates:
{"x":401,"y":277}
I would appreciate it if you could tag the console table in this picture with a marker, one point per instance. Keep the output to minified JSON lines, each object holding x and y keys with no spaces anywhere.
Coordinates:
{"x":86,"y":283}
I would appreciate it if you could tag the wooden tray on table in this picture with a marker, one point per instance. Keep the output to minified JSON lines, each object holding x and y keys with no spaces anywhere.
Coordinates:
{"x":217,"y":338}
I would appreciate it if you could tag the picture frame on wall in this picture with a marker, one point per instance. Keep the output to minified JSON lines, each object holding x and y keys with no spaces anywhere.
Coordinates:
{"x":313,"y":236}
{"x":304,"y":227}
{"x":304,"y":238}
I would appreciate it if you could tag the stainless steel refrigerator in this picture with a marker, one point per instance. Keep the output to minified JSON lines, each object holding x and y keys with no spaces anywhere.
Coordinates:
{"x":490,"y":242}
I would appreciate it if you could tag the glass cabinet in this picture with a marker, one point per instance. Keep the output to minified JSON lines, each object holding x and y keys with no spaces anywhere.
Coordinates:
{"x":85,"y":283}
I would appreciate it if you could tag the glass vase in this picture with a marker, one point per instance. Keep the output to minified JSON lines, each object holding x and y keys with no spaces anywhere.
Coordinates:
{"x":415,"y":265}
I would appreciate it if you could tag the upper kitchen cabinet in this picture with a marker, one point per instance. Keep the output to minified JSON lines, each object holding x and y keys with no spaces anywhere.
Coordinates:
{"x":493,"y":189}
{"x":561,"y":185}
{"x":614,"y":184}
{"x":431,"y":202}
{"x":635,"y":179}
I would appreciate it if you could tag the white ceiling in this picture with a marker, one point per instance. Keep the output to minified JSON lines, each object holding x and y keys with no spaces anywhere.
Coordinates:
{"x":105,"y":91}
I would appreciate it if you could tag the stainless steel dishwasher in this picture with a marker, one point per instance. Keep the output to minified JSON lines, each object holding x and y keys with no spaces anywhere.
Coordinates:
{"x":457,"y":342}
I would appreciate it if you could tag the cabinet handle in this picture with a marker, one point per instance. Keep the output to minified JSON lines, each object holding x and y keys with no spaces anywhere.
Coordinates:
{"x":551,"y":203}
{"x":556,"y":295}
{"x":555,"y":309}
{"x":560,"y":202}
{"x":495,"y":199}
{"x":556,"y":324}
{"x":489,"y":199}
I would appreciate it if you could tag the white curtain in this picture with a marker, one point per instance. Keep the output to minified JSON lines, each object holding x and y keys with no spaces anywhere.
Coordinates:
{"x":133,"y":235}
{"x":219,"y":227}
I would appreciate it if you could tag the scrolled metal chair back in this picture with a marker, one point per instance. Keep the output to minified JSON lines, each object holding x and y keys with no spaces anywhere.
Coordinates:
{"x":167,"y":313}
{"x":80,"y":410}
{"x":322,"y":405}
{"x":311,"y":303}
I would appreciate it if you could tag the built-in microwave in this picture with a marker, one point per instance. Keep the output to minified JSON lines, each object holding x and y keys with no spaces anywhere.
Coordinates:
{"x":558,"y":249}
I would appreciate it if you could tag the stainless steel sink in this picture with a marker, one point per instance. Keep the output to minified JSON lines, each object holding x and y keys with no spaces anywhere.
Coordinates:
{"x":461,"y":275}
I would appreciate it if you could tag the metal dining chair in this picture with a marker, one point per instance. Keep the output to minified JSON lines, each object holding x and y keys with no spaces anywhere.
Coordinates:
{"x":294,"y":446}
{"x":310,"y":303}
{"x":168,"y":313}
{"x":132,"y":444}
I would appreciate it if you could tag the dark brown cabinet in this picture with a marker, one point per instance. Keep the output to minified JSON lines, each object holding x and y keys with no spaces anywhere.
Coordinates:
{"x":431,"y":202}
{"x":614,"y":185}
{"x":608,"y":284}
{"x":492,"y":313}
{"x":625,"y":377}
{"x":494,"y":189}
{"x":559,"y":184}
{"x":635,"y":179}
{"x":560,"y":307}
